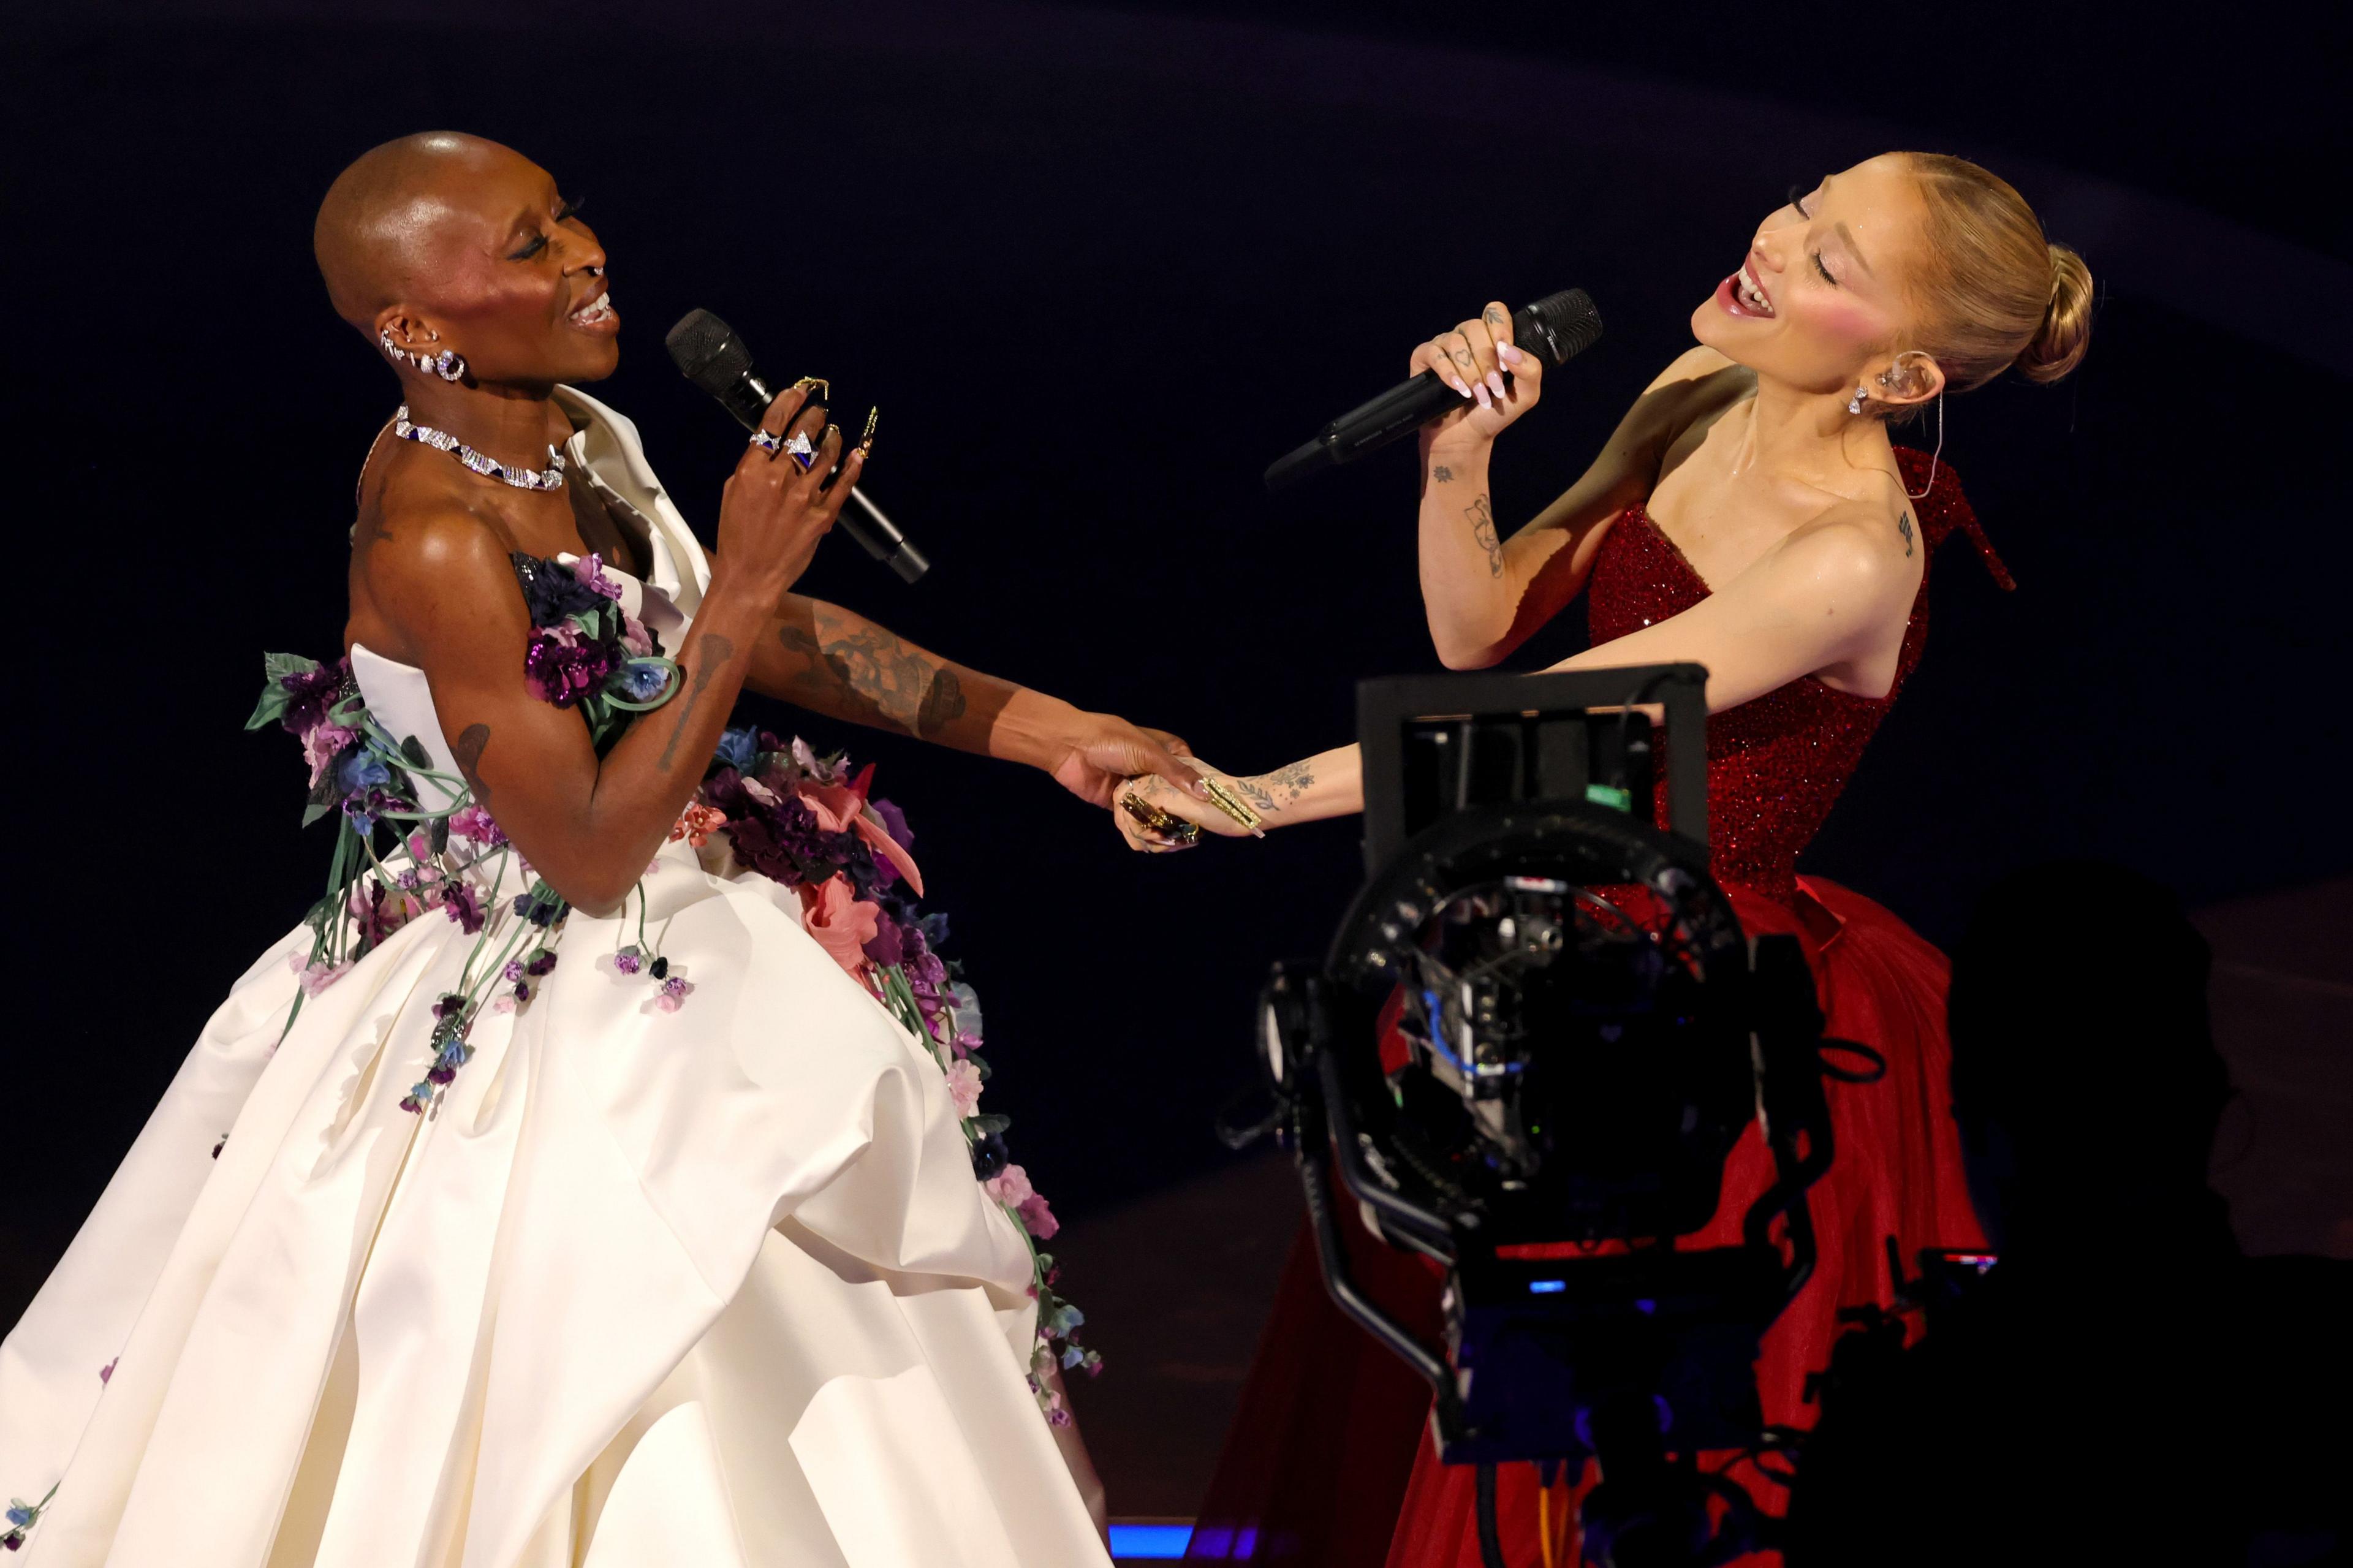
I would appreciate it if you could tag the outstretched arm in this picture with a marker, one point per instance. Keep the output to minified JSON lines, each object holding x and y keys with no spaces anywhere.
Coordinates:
{"x":835,"y":661}
{"x":1822,"y":602}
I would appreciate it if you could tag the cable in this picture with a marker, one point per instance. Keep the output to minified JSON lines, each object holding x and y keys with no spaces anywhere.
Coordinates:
{"x":1491,"y":1539}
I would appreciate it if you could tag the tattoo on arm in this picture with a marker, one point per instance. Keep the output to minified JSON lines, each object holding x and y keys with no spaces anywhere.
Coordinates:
{"x":1272,"y":791}
{"x":1483,"y":529}
{"x":876,"y":676}
{"x":716,"y":651}
{"x":472,"y":741}
{"x":1443,"y":474}
{"x":1904,"y":526}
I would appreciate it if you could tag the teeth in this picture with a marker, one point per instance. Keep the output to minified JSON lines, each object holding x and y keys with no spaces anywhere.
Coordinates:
{"x":1751,"y":295}
{"x":601,"y":305}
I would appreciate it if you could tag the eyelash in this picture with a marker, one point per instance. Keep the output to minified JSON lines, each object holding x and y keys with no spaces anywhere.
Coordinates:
{"x":1797,"y":200}
{"x":569,"y":210}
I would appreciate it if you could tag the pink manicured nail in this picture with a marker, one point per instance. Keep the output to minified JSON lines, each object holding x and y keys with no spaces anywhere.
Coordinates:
{"x":1484,"y":401}
{"x":1495,"y":382}
{"x":1509,"y":355}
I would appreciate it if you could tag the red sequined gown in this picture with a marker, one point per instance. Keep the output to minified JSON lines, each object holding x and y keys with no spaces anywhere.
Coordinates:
{"x":1328,"y":1462}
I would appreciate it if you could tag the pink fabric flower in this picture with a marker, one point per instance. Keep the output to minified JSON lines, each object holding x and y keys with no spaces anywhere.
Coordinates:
{"x":322,"y":746}
{"x":314,"y":977}
{"x":839,"y":808}
{"x":697,"y":823}
{"x":963,"y":1087}
{"x":673,"y":993}
{"x":1037,"y":1218}
{"x":1010,"y":1186}
{"x":842,"y":922}
{"x":473,"y":823}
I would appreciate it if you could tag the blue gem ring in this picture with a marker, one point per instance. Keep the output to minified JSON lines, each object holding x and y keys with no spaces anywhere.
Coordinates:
{"x":767,"y":442}
{"x":800,"y":451}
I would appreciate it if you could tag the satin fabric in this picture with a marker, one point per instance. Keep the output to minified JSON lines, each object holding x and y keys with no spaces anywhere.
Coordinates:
{"x":710,"y":1286}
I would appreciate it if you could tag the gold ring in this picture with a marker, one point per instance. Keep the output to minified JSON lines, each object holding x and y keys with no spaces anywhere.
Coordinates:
{"x":1166,"y":824}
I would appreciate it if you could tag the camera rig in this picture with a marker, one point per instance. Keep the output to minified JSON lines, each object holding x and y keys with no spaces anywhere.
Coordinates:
{"x":1582,"y":1033}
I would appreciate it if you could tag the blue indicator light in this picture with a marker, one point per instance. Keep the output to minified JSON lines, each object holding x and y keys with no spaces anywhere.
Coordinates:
{"x":1546,"y":1287}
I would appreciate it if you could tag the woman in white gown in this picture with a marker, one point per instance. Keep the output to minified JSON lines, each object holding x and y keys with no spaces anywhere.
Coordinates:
{"x":672,"y":1253}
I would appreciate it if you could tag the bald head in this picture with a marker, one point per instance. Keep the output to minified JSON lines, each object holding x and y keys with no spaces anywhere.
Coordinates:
{"x":381,"y":228}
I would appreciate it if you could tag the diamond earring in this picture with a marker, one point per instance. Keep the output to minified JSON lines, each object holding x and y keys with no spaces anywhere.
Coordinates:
{"x":448,"y":364}
{"x":1862,"y":395}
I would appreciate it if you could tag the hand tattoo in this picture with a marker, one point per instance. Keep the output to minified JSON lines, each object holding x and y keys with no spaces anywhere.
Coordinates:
{"x":1443,"y":474}
{"x":1483,"y":529}
{"x":716,"y":651}
{"x":876,"y":676}
{"x":472,"y":741}
{"x":1904,"y":526}
{"x":1493,"y":315}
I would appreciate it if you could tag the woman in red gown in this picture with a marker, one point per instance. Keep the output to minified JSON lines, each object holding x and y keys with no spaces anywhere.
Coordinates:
{"x":1750,"y":514}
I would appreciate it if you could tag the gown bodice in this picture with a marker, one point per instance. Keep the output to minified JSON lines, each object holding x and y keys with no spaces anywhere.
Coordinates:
{"x":1776,"y":764}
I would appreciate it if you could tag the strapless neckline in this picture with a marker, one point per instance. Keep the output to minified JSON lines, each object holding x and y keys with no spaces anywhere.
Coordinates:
{"x":1640,"y":513}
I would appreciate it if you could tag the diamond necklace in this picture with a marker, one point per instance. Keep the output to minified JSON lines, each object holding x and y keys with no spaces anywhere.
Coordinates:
{"x":549,"y":478}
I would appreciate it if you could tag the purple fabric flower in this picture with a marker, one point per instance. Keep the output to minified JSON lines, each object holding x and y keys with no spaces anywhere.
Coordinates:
{"x":895,"y":823}
{"x":553,"y":590}
{"x":885,"y":948}
{"x":627,"y":960}
{"x":593,"y":576}
{"x":560,"y":665}
{"x":463,"y":904}
{"x":309,"y":694}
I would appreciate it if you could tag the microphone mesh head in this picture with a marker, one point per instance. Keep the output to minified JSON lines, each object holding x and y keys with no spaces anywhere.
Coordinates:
{"x":707,"y":351}
{"x":1564,"y":325}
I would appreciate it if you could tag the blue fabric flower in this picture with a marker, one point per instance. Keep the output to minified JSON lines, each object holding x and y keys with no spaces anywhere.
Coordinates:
{"x":359,"y":770}
{"x":643,"y":682}
{"x":738,"y":749}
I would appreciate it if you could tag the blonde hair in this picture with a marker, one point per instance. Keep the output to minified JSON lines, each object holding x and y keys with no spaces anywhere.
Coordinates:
{"x":1991,"y":291}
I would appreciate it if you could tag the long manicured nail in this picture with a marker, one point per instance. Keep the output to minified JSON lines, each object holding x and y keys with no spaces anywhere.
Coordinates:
{"x":1507,"y":353}
{"x":1484,"y":401}
{"x":1456,"y":384}
{"x":1495,"y":382}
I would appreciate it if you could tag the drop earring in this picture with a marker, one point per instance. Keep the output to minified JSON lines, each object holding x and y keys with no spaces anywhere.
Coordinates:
{"x":1862,"y":395}
{"x":448,"y":364}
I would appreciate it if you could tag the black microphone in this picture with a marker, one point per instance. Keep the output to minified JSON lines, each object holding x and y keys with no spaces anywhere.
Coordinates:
{"x":708,"y":353}
{"x":1559,"y":327}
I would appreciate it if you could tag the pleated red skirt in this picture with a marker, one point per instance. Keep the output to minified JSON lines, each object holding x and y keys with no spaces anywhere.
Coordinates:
{"x":1329,"y":1463}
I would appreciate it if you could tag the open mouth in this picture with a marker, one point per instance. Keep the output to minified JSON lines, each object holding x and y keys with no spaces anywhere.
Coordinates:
{"x":1743,"y":296}
{"x":596,"y":315}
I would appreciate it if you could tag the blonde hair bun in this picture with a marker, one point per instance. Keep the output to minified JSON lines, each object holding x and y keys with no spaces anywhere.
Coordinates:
{"x":2066,"y":332}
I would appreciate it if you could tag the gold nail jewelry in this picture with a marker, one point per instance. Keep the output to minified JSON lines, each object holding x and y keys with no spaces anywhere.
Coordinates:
{"x":823,"y":388}
{"x":1166,"y":824}
{"x":1225,"y":800}
{"x":866,"y":441}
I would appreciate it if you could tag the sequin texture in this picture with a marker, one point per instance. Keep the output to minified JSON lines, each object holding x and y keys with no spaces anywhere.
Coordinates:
{"x":1778,"y":763}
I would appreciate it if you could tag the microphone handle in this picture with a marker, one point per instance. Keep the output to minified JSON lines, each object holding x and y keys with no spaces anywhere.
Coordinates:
{"x":748,"y":398}
{"x":1410,"y":405}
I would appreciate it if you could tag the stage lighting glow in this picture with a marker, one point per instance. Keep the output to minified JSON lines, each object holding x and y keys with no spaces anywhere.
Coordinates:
{"x":1149,"y":1543}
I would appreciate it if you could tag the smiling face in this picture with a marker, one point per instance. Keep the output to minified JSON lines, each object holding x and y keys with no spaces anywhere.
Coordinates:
{"x":1820,"y":301}
{"x":451,"y":242}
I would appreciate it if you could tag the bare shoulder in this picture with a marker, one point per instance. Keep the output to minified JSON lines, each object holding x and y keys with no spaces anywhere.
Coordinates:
{"x":428,"y":570}
{"x":1870,"y":546}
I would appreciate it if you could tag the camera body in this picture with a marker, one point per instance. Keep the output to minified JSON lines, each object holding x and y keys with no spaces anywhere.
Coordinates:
{"x":1535,"y":1040}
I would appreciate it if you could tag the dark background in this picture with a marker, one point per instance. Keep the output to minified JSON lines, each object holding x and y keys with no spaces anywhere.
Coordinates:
{"x":1098,"y":267}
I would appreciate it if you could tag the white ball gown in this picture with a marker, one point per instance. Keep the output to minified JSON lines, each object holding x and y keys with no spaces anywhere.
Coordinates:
{"x":712,"y":1285}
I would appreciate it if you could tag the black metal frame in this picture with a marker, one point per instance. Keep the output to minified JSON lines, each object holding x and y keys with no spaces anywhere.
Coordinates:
{"x":1385,"y":707}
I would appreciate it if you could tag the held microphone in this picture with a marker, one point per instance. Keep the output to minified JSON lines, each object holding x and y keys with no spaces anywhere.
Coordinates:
{"x":708,"y":353}
{"x":1556,"y":328}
